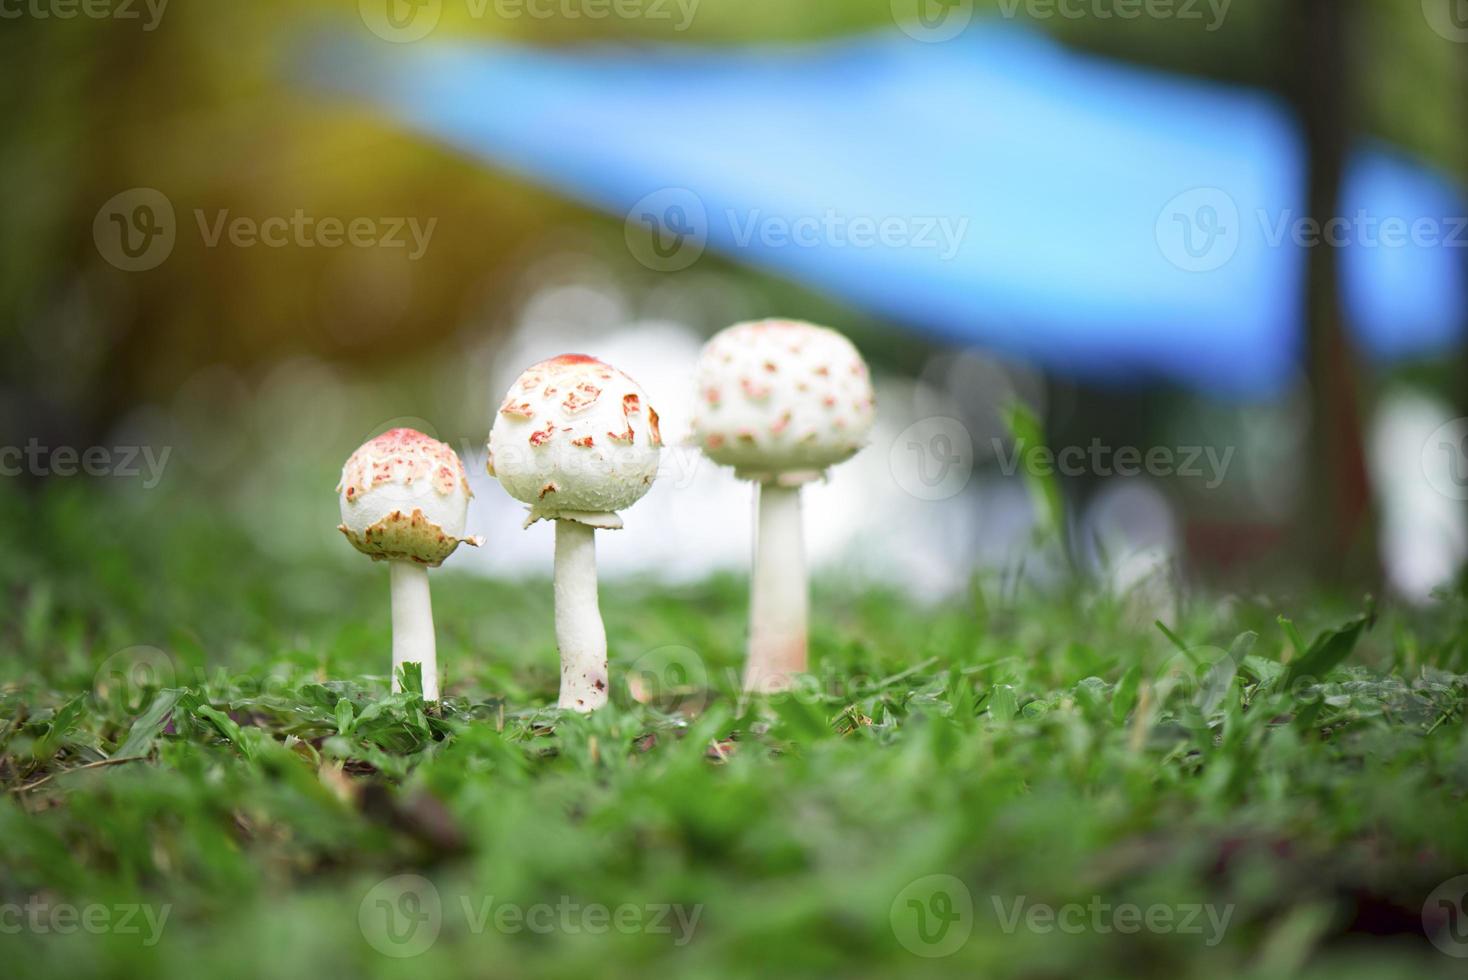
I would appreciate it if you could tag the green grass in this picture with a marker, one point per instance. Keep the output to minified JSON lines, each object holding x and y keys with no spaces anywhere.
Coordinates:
{"x":1042,"y":749}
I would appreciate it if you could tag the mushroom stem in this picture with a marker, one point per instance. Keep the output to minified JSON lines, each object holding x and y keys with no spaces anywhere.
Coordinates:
{"x":580,"y":635}
{"x":412,"y":625}
{"x":778,"y":600}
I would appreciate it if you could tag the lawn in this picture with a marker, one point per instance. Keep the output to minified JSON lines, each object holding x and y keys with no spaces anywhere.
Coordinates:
{"x":204,"y":775}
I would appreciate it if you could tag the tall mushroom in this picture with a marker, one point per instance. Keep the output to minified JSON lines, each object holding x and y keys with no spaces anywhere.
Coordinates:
{"x":780,"y":401}
{"x":576,"y":440}
{"x":404,"y":500}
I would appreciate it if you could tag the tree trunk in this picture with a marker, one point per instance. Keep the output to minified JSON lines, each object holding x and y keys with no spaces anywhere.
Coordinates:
{"x":1336,"y":517}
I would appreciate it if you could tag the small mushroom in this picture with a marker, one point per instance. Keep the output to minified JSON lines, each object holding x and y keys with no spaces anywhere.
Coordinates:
{"x":781,"y":402}
{"x":404,"y":500}
{"x":577,"y":441}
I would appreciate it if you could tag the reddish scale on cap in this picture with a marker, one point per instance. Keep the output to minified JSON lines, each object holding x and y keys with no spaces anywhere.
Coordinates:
{"x":632,"y":405}
{"x":582,"y":397}
{"x":585,"y":442}
{"x":781,"y":424}
{"x":444,"y":479}
{"x":713,"y":396}
{"x":576,"y":364}
{"x":517,"y":410}
{"x":548,"y":489}
{"x":753,"y":391}
{"x":542,"y":436}
{"x":714,"y":440}
{"x":566,"y":360}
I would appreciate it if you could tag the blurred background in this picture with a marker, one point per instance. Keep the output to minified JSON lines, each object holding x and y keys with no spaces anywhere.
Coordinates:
{"x":1211,"y":254}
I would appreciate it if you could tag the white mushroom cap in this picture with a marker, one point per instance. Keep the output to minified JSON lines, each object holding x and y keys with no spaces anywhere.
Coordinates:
{"x":404,"y":497}
{"x":576,"y":440}
{"x":781,"y":400}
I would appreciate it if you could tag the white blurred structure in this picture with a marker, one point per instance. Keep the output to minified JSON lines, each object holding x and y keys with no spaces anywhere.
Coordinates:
{"x":1424,"y":531}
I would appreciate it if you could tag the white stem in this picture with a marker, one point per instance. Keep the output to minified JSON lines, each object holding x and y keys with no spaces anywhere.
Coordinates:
{"x":778,"y":593}
{"x":579,"y":632}
{"x":412,"y":625}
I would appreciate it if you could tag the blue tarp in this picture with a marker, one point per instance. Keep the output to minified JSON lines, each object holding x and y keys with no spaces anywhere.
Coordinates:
{"x":996,"y":189}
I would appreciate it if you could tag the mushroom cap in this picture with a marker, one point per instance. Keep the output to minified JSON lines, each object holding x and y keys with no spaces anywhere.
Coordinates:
{"x":781,"y":400}
{"x":404,"y":497}
{"x":576,"y":440}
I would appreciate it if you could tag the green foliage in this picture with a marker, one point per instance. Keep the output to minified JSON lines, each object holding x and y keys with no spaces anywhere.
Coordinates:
{"x":263,"y":785}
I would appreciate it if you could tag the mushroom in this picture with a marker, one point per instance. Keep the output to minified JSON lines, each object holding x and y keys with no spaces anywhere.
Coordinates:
{"x":404,"y":500}
{"x":577,"y":441}
{"x":780,"y":401}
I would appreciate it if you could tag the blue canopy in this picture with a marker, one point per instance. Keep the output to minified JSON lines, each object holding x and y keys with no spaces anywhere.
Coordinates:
{"x":996,"y":189}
